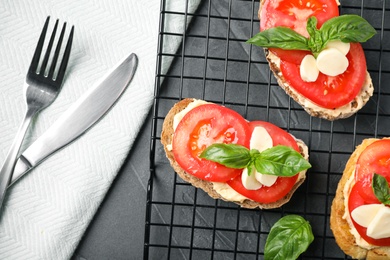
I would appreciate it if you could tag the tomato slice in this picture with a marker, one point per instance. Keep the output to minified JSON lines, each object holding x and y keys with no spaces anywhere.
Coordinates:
{"x":294,"y":14}
{"x":283,"y":185}
{"x":374,"y":159}
{"x":364,"y":188}
{"x":331,"y":92}
{"x":356,"y":200}
{"x":294,"y":56}
{"x":201,"y":127}
{"x":277,"y":191}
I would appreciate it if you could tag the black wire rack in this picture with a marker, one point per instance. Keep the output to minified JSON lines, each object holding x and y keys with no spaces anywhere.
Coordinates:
{"x":215,"y":64}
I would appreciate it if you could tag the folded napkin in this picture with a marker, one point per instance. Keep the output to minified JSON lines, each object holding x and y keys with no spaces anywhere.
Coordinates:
{"x":46,"y":213}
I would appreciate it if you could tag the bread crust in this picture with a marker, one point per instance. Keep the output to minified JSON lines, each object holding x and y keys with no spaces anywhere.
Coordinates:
{"x":166,"y":140}
{"x":311,"y":108}
{"x":340,"y":226}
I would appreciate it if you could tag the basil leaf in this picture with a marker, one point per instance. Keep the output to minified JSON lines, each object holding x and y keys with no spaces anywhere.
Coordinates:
{"x":254,"y":153}
{"x":315,"y":42}
{"x":381,"y":188}
{"x":289,"y":237}
{"x":280,"y":37}
{"x":231,"y":155}
{"x":280,"y":161}
{"x":347,"y":28}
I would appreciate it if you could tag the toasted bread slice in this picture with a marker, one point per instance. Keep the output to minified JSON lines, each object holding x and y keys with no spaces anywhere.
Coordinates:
{"x":209,"y":187}
{"x":339,"y":225}
{"x":310,"y":107}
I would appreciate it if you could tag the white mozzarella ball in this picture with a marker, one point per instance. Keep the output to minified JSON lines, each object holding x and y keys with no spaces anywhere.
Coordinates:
{"x":249,"y":181}
{"x":343,"y":47}
{"x":266,"y":179}
{"x":332,"y":62}
{"x":308,"y":69}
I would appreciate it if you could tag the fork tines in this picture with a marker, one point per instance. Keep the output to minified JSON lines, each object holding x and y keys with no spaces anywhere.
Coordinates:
{"x":37,"y":54}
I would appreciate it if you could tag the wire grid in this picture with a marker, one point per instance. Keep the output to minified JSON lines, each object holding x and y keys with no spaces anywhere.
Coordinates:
{"x":215,"y":64}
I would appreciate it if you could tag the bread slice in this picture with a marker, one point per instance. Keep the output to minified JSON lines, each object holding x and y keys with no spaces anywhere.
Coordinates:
{"x":208,"y":187}
{"x":339,"y":225}
{"x":311,"y":108}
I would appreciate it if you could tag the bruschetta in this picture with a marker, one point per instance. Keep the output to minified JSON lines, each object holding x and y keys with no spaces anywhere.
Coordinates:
{"x":193,"y":126}
{"x":359,"y":218}
{"x":317,"y":65}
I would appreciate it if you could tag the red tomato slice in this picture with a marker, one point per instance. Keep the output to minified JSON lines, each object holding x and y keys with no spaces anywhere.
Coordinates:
{"x":294,"y":57}
{"x":283,"y":185}
{"x":374,"y":159}
{"x":201,"y":127}
{"x":277,"y":191}
{"x":331,"y":92}
{"x":355,"y":200}
{"x":294,"y":14}
{"x":364,"y":188}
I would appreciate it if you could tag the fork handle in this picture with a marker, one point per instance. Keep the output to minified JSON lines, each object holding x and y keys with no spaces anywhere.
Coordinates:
{"x":10,"y":161}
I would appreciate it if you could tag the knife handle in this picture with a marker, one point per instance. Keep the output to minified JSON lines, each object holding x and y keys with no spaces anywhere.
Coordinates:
{"x":10,"y":161}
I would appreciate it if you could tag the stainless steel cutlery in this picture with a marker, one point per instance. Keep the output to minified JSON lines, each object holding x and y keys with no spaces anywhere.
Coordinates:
{"x":80,"y":117}
{"x":41,"y":89}
{"x":42,"y":86}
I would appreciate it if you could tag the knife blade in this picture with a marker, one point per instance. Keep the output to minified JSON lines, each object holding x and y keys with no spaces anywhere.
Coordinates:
{"x":79,"y":118}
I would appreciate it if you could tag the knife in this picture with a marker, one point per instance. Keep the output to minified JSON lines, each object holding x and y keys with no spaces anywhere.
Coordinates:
{"x":79,"y":118}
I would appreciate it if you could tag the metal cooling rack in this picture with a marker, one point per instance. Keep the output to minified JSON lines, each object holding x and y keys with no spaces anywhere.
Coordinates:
{"x":214,"y":63}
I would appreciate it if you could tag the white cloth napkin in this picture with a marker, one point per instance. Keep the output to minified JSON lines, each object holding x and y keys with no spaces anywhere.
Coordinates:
{"x":46,"y":213}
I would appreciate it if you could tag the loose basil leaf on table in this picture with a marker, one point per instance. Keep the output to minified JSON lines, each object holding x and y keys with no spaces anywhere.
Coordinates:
{"x":289,"y":237}
{"x":381,"y":188}
{"x":279,"y":160}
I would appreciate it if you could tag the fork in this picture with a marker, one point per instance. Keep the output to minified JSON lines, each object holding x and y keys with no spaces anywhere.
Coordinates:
{"x":40,"y":90}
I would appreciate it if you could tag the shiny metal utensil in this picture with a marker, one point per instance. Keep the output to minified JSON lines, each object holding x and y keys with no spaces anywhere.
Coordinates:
{"x":80,"y":117}
{"x":41,"y":89}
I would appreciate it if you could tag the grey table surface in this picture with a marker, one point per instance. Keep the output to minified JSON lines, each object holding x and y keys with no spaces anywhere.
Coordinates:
{"x":117,"y":230}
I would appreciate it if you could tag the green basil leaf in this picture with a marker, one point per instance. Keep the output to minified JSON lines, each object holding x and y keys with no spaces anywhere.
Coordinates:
{"x":231,"y":155}
{"x":315,"y":41}
{"x":347,"y":28}
{"x":280,"y":37}
{"x":280,"y":161}
{"x":381,"y":188}
{"x":253,"y":153}
{"x":289,"y":237}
